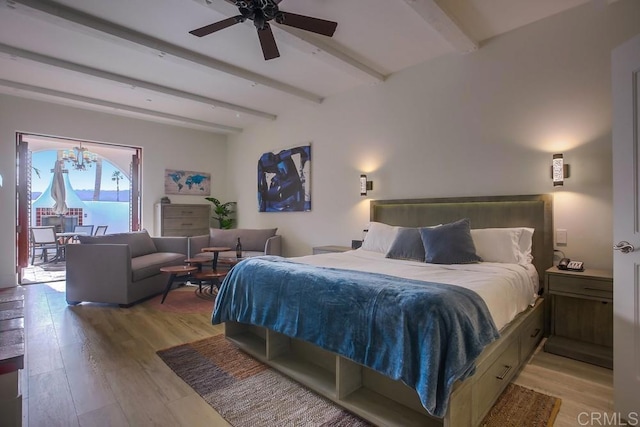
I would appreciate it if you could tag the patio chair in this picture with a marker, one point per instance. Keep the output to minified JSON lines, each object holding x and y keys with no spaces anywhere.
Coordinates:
{"x":45,"y":240}
{"x":84,"y":229}
{"x":101,"y":230}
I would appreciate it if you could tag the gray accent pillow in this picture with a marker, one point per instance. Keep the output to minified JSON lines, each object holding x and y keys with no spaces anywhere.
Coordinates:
{"x":250,"y":239}
{"x":140,"y":243}
{"x":449,"y":244}
{"x":407,"y":245}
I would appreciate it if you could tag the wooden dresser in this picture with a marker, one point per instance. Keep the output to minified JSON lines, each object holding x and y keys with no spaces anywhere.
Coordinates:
{"x":581,"y":315}
{"x":181,"y":220}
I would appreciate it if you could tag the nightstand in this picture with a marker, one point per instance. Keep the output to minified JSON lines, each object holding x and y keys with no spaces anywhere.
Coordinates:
{"x":329,"y":249}
{"x":581,"y":315}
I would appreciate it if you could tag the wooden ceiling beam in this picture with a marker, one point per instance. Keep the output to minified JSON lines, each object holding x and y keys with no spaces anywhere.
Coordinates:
{"x":444,"y":24}
{"x":106,"y":75}
{"x":328,"y":53}
{"x":51,"y":11}
{"x":116,"y":106}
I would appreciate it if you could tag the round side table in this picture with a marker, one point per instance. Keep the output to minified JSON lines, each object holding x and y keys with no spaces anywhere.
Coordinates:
{"x":216,"y":250}
{"x":174,"y":271}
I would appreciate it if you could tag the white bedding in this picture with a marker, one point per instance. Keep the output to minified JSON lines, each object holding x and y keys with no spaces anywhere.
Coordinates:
{"x":507,"y":289}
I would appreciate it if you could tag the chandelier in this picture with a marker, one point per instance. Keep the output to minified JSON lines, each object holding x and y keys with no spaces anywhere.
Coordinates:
{"x":80,"y":157}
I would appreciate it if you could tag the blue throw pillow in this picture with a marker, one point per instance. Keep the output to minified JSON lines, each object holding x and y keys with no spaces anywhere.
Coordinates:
{"x":407,"y":245}
{"x":449,"y":244}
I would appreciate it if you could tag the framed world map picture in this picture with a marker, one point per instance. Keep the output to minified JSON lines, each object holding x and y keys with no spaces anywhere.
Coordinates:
{"x":188,"y":183}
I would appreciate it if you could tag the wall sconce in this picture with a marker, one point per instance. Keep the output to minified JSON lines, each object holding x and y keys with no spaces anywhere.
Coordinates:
{"x":559,"y":170}
{"x":365,"y":185}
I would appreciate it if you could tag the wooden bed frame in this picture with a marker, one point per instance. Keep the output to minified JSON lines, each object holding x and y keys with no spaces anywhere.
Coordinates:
{"x":384,"y":401}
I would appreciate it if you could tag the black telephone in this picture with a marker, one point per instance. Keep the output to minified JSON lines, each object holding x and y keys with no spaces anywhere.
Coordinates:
{"x":567,"y":264}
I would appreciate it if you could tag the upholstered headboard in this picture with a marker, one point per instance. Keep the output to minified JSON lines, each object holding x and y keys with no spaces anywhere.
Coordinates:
{"x":533,"y":211}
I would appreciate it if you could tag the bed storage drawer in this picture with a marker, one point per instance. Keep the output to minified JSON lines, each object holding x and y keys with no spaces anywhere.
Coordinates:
{"x":496,"y":378}
{"x":376,"y":397}
{"x":532,"y":332}
{"x":334,"y":377}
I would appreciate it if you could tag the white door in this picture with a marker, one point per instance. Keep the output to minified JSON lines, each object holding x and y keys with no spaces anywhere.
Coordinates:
{"x":626,"y":229}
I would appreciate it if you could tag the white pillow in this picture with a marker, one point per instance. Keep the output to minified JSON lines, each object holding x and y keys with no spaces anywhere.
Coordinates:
{"x":498,"y":244}
{"x":526,"y":241}
{"x":379,"y":237}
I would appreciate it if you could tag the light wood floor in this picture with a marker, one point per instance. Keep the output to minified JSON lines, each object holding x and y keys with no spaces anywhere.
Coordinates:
{"x":95,"y":365}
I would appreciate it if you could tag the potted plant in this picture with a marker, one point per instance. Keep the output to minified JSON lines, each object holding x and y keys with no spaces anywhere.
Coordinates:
{"x":222,"y":212}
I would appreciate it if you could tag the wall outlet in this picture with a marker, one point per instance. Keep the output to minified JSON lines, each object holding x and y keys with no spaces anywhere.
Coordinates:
{"x":561,"y":237}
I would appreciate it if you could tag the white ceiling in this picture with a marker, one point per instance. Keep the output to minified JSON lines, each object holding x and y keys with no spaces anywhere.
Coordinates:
{"x":136,"y":57}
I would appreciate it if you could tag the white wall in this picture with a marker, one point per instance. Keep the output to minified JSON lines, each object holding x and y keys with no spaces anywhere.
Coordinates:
{"x":163,"y":147}
{"x":485,"y":123}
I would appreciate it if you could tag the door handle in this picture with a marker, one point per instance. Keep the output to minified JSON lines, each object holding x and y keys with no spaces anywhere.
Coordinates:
{"x":624,"y":247}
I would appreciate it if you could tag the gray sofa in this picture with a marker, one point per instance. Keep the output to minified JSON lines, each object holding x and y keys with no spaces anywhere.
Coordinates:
{"x":254,"y":242}
{"x":120,"y":268}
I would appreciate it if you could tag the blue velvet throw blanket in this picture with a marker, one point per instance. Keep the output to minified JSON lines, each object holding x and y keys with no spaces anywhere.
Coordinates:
{"x":427,"y":335}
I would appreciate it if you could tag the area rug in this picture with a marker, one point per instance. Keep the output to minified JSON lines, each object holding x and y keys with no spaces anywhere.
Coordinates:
{"x":184,"y":300}
{"x":518,"y":406}
{"x":248,"y":393}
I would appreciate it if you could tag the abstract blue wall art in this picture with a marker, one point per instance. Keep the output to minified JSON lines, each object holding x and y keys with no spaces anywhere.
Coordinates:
{"x":284,"y":180}
{"x":187,"y":182}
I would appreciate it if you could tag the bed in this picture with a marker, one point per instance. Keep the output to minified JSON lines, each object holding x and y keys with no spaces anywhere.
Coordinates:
{"x":282,"y":311}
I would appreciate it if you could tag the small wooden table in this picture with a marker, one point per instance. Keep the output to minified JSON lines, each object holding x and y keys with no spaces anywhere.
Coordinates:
{"x":581,"y":315}
{"x":198,"y":261}
{"x":230,"y":261}
{"x":64,"y":239}
{"x":216,"y":250}
{"x":67,"y":236}
{"x":211,"y":276}
{"x":175,"y":271}
{"x":330,"y":249}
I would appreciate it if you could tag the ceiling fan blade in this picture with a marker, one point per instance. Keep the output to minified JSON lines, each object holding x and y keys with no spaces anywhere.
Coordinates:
{"x":217,"y":26}
{"x":268,"y":43}
{"x":315,"y":25}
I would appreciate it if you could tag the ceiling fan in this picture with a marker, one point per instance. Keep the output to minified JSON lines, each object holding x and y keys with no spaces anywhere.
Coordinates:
{"x":263,"y":11}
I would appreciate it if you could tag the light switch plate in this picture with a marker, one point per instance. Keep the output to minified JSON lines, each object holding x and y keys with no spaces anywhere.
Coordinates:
{"x":561,"y":236}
